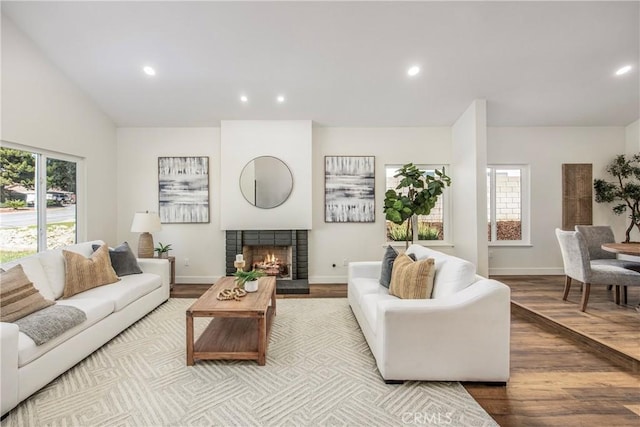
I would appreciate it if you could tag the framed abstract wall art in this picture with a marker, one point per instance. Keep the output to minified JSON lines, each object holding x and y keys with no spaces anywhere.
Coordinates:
{"x":183,"y":184}
{"x":349,"y":189}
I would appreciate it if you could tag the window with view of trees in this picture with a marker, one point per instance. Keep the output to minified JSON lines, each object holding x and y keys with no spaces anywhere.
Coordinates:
{"x":37,"y":202}
{"x":507,"y":204}
{"x":430,"y":227}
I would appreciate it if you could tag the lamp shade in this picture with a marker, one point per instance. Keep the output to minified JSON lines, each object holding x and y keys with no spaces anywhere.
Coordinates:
{"x":145,"y":222}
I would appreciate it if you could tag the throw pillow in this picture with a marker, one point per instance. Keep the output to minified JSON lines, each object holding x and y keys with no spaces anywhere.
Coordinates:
{"x":390,"y":255}
{"x":412,"y":279}
{"x":18,"y":296}
{"x":83,"y":273}
{"x":123,"y":260}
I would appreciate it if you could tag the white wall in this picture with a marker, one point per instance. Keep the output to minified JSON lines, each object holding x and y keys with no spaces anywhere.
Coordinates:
{"x":137,"y":185}
{"x":469,"y":185}
{"x":244,"y":140}
{"x":42,"y":109}
{"x":332,"y":243}
{"x":632,"y":138}
{"x":545,"y":149}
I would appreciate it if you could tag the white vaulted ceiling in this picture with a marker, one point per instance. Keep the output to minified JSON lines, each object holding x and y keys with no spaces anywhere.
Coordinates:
{"x":345,"y":64}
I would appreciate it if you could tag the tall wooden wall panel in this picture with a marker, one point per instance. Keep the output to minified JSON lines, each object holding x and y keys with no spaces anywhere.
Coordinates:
{"x":577,"y":195}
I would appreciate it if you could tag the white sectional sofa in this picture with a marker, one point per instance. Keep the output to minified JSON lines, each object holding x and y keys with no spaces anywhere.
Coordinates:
{"x":460,"y":334}
{"x":26,"y":367}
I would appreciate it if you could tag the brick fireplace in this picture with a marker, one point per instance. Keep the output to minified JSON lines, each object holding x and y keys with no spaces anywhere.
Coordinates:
{"x":280,"y":253}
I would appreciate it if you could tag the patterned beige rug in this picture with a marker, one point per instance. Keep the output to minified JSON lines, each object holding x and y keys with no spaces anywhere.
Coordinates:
{"x":319,"y":372}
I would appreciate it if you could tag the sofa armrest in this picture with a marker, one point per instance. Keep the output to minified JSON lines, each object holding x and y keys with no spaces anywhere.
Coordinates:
{"x":161,"y":267}
{"x":8,"y":366}
{"x":463,"y":336}
{"x":365,"y":269}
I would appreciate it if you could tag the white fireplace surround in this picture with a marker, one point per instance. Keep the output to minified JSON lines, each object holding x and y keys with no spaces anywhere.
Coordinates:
{"x":244,"y":140}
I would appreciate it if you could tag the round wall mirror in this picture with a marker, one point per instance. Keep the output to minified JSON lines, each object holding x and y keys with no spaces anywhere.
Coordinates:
{"x":266,"y":182}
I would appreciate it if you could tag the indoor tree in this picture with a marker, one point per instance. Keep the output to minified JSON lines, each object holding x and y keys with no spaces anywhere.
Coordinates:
{"x":416,"y":194}
{"x":624,"y":189}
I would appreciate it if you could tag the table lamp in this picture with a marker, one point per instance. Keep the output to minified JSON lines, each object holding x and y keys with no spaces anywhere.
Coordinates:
{"x":145,"y":223}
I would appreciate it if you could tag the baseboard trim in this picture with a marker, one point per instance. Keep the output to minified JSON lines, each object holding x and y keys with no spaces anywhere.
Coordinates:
{"x":329,"y":280}
{"x":544,"y":271}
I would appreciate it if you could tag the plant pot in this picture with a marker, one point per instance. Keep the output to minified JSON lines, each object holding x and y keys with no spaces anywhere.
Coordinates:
{"x":251,"y":286}
{"x":164,"y":255}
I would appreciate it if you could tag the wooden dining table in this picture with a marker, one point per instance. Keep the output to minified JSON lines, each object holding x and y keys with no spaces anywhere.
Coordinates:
{"x":632,"y":249}
{"x":622,"y":248}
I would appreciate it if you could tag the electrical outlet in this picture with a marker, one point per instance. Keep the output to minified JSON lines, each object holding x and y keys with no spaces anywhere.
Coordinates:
{"x":186,"y":262}
{"x":345,"y":262}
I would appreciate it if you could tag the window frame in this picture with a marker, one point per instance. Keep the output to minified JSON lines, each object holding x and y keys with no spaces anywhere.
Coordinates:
{"x":40,"y":181}
{"x":525,"y":204}
{"x":446,"y":210}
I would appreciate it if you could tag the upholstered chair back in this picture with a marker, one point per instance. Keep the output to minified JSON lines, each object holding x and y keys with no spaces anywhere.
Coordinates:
{"x":574,"y":255}
{"x":595,"y":236}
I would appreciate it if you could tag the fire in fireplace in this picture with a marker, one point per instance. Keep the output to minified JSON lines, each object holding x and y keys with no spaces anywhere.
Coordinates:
{"x":272,"y":260}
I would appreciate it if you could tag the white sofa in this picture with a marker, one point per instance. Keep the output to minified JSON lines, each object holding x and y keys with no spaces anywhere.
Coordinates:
{"x":461,"y":334}
{"x":110,"y":309}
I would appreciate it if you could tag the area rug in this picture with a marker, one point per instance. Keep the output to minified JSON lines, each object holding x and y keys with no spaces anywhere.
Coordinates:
{"x":319,"y":372}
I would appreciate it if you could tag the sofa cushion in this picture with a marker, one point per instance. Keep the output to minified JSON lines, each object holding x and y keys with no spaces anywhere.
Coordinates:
{"x":18,"y":296}
{"x":123,"y":260}
{"x":32,"y":267}
{"x":95,"y":309}
{"x":412,"y":279}
{"x":452,"y":274}
{"x":125,"y":291}
{"x":369,"y":307}
{"x":361,"y":286}
{"x":83,"y":273}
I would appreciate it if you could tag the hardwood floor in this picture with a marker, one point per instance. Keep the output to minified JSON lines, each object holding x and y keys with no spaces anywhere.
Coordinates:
{"x":614,"y":326}
{"x":555,"y":381}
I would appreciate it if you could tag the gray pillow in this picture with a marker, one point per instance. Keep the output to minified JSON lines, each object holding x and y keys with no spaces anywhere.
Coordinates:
{"x":123,"y":260}
{"x":390,"y":255}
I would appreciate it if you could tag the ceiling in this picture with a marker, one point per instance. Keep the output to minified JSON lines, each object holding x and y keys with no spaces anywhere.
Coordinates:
{"x":345,"y":63}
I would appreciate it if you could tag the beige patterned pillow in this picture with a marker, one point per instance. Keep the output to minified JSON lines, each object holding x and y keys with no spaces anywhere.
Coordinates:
{"x":82,"y":273}
{"x":412,"y":279}
{"x":18,"y":296}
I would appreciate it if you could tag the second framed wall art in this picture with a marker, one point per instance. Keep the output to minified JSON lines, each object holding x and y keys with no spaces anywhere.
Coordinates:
{"x":349,"y":189}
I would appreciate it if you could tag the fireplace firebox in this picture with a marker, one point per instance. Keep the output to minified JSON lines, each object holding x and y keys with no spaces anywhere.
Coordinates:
{"x":279,"y":253}
{"x":271,"y":260}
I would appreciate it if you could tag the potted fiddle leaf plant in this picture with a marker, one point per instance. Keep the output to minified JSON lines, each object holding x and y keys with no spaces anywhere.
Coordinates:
{"x":163,"y":250}
{"x":248,"y":280}
{"x":416,"y":194}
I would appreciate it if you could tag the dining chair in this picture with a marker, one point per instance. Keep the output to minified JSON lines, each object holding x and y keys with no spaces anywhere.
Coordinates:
{"x":578,"y":266}
{"x":595,"y":236}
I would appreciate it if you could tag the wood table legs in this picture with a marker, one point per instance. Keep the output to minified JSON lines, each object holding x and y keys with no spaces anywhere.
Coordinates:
{"x":189,"y":339}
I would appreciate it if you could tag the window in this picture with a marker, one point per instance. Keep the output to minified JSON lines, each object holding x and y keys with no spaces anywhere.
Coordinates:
{"x":508,"y":204}
{"x":429,"y":228}
{"x":38,"y":201}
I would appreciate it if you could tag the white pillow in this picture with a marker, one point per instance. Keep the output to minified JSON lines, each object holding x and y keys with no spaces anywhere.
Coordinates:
{"x":453,"y":274}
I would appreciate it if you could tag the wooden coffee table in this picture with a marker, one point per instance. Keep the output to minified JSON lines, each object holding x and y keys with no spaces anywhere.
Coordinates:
{"x":239,"y":330}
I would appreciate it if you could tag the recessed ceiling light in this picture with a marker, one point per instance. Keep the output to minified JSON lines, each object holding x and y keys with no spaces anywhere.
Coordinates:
{"x":413,"y":71}
{"x":280,"y":98}
{"x":243,"y":98}
{"x":149,"y":71}
{"x":623,"y":70}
